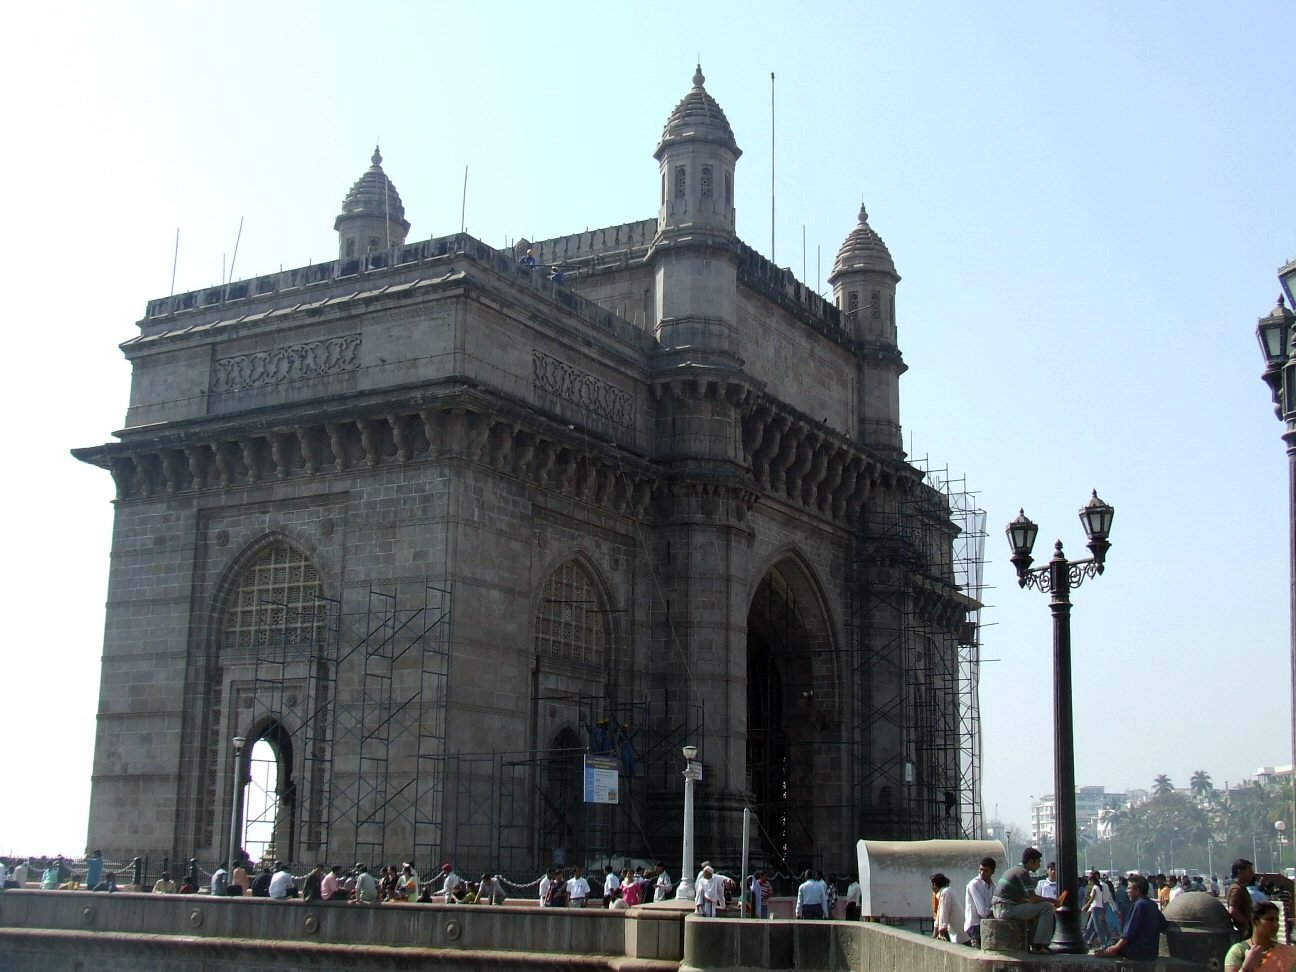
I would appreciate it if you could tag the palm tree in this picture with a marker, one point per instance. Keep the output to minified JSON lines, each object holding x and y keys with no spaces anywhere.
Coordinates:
{"x":1201,"y":785}
{"x":1161,"y":786}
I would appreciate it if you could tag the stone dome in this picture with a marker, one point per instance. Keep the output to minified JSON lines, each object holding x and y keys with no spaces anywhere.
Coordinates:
{"x":373,"y":195}
{"x":1198,"y":908}
{"x":863,"y":250}
{"x":698,"y":116}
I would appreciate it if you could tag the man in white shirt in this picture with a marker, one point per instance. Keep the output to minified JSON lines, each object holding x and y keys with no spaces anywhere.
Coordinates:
{"x":611,"y":883}
{"x":449,"y":881}
{"x":710,"y":892}
{"x":811,"y":898}
{"x":1047,"y":887}
{"x":854,"y":895}
{"x":662,"y":886}
{"x":546,"y":883}
{"x":578,"y":889}
{"x":281,"y":885}
{"x":977,"y":898}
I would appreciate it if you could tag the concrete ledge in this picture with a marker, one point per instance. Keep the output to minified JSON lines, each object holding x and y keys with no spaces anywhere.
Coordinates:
{"x":749,"y":945}
{"x":565,"y":931}
{"x":32,"y":948}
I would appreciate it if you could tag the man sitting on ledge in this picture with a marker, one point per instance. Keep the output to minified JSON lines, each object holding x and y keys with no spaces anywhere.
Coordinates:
{"x":1013,"y":899}
{"x":1140,"y":939}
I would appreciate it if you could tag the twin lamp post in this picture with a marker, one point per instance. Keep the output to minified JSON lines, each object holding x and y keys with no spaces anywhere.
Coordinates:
{"x":1057,"y":578}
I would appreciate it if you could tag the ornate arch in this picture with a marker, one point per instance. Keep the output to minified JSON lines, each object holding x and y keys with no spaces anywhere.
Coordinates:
{"x":270,"y":599}
{"x":573,"y":619}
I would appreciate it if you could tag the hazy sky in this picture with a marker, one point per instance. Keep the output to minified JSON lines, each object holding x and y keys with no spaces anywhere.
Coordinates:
{"x":1087,"y":203}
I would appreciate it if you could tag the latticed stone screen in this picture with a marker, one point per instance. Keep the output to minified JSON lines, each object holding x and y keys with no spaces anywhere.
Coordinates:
{"x":278,"y":603}
{"x":571,"y":624}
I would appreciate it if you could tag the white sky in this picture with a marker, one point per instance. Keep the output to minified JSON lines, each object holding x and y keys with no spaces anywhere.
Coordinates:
{"x":1087,"y":204}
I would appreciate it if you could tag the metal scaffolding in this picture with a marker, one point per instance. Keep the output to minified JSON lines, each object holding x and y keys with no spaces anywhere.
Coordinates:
{"x":913,"y":612}
{"x":519,"y":811}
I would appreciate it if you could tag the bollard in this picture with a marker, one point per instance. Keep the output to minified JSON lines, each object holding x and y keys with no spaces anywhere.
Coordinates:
{"x":144,"y":874}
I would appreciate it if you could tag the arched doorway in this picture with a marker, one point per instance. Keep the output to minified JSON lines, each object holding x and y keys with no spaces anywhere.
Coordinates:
{"x":562,"y":803}
{"x":268,"y":799}
{"x":791,"y":719}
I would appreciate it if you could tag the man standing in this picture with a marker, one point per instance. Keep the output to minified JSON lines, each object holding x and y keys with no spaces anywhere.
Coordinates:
{"x":219,"y":881}
{"x":578,"y":889}
{"x":1047,"y":887}
{"x":710,"y":893}
{"x":1012,"y":900}
{"x":1140,"y":937}
{"x":1239,"y":898}
{"x":811,"y":898}
{"x":855,"y":894}
{"x":611,"y":883}
{"x":976,"y":899}
{"x":663,"y":885}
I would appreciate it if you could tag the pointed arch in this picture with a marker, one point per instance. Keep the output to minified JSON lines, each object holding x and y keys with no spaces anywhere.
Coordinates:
{"x":270,"y":600}
{"x":794,"y":702}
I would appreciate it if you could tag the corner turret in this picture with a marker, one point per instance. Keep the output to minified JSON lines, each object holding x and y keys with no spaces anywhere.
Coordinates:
{"x":372,"y":216}
{"x":694,"y":251}
{"x":864,"y":282}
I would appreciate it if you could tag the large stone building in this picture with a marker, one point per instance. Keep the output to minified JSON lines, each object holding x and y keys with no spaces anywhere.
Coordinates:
{"x":431,"y":525}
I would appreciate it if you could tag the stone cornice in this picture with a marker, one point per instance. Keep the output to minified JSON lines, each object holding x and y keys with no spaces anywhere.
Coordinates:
{"x":465,"y":425}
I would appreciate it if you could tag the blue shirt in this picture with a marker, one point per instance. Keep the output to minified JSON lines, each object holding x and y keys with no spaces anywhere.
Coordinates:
{"x":1142,"y":933}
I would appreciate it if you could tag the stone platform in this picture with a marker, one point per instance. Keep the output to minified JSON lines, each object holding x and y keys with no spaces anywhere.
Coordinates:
{"x":82,"y":931}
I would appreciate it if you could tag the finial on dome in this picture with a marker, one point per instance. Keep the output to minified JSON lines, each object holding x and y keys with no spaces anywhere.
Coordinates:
{"x":863,"y":217}
{"x":376,"y":159}
{"x":698,"y":78}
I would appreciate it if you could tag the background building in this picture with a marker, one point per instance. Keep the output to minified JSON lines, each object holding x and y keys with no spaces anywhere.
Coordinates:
{"x":430,"y":524}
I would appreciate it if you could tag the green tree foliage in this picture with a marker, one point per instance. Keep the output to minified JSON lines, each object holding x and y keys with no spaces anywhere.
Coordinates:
{"x":1206,"y":831}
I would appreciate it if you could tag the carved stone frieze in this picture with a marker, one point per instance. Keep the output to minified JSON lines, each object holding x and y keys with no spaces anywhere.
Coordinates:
{"x":594,"y":395}
{"x":296,"y":362}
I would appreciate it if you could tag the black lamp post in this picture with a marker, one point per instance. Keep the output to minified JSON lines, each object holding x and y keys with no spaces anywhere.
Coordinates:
{"x":1275,"y":334}
{"x":1057,"y":578}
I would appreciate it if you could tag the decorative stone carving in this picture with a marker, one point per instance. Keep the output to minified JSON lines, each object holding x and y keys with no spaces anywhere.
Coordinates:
{"x":297,"y":362}
{"x":585,"y":391}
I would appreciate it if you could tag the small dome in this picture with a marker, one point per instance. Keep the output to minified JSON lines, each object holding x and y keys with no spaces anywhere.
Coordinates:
{"x":366,"y":197}
{"x":698,"y":117}
{"x":1198,"y":908}
{"x":863,"y":250}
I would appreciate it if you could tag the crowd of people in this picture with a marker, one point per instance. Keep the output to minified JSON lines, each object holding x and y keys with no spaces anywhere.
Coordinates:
{"x":1121,"y":918}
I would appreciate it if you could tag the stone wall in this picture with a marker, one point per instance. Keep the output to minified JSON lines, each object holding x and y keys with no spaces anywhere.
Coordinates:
{"x":74,"y":930}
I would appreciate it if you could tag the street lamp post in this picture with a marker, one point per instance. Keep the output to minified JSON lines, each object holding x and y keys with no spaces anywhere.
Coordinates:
{"x":1280,"y":826}
{"x":239,"y":743}
{"x":1275,"y":334}
{"x":1057,"y":578}
{"x":684,"y":890}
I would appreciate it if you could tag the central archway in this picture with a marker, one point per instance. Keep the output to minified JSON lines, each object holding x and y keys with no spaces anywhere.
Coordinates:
{"x":793,"y":729}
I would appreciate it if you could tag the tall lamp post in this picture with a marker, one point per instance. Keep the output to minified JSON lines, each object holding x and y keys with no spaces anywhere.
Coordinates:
{"x":1057,"y":578}
{"x":1275,"y":334}
{"x":684,"y":890}
{"x":239,"y":743}
{"x":1280,"y":826}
